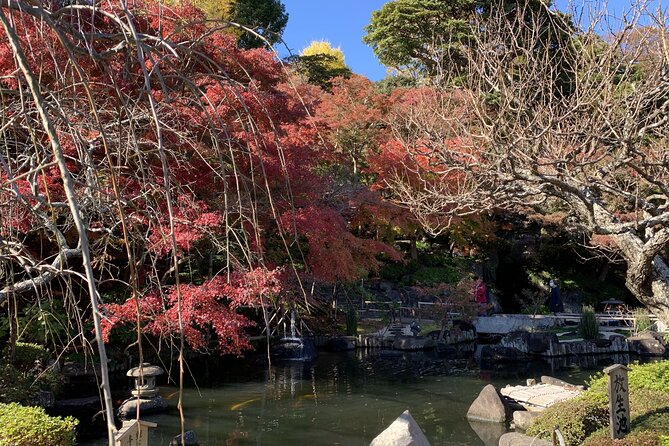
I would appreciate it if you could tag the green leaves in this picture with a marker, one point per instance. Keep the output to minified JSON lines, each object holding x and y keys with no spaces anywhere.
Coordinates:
{"x":31,"y":426}
{"x":422,"y":35}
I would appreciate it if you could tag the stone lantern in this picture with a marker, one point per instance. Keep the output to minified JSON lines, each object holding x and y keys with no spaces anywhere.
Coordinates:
{"x":145,"y":396}
{"x":145,"y":380}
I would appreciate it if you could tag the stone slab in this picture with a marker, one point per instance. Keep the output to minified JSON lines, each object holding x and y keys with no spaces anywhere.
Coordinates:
{"x":541,"y":395}
{"x":506,"y":323}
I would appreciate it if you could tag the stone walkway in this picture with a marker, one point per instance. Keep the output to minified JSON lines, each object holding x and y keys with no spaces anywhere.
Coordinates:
{"x":539,"y":396}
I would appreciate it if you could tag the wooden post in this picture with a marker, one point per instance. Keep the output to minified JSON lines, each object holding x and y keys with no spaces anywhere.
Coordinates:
{"x":619,"y":403}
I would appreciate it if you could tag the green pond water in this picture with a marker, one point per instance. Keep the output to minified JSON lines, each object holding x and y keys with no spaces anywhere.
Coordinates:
{"x":340,"y":399}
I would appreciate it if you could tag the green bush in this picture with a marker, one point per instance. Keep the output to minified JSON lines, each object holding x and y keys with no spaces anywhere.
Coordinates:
{"x":589,"y":326}
{"x":31,"y":426}
{"x":26,"y":354}
{"x":395,"y":271}
{"x":642,"y":320}
{"x":576,"y":419}
{"x":23,"y":387}
{"x":434,"y":275}
{"x":653,"y":376}
{"x":633,"y":439}
{"x":15,"y":386}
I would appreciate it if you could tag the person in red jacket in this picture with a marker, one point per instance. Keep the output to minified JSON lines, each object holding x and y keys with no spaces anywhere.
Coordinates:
{"x":480,"y":294}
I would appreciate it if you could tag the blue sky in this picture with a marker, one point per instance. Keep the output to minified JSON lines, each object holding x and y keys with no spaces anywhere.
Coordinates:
{"x":342,"y":23}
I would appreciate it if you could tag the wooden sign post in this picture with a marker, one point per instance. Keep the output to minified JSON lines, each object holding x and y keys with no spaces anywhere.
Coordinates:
{"x":619,"y":402}
{"x":134,"y":433}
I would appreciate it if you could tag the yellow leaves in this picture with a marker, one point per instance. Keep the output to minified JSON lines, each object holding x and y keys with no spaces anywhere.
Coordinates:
{"x":335,"y":56}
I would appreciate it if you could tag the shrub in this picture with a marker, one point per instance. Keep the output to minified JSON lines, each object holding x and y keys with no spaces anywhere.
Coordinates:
{"x":23,"y":387}
{"x":653,"y":376}
{"x":434,"y":275}
{"x":31,"y":426}
{"x":633,"y":439}
{"x":15,"y":386}
{"x":576,"y":419}
{"x":26,"y":354}
{"x":642,"y":320}
{"x":589,"y":326}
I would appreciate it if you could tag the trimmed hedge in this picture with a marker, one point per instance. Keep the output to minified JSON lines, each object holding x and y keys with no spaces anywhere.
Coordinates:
{"x":576,"y":418}
{"x":584,"y":420}
{"x":31,"y":426}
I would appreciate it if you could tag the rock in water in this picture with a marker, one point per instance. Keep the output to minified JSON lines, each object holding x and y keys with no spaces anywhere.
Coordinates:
{"x":516,"y":439}
{"x":404,"y":431}
{"x":128,"y":408}
{"x":488,"y":406}
{"x":522,"y":419}
{"x":189,"y":439}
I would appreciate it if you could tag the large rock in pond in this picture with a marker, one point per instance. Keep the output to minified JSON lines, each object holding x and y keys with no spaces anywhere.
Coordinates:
{"x":488,"y":406}
{"x":516,"y":439}
{"x":404,"y":431}
{"x":530,"y":343}
{"x":129,"y":407}
{"x":496,"y":354}
{"x":647,"y":343}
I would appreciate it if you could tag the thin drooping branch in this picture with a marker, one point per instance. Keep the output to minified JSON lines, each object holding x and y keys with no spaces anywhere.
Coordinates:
{"x":75,"y":211}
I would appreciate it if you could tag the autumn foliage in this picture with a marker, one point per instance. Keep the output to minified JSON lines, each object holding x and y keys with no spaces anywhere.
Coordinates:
{"x":182,"y":147}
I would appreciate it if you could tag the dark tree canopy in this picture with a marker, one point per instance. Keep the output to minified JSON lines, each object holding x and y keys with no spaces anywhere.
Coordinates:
{"x":268,"y":18}
{"x":420,"y":34}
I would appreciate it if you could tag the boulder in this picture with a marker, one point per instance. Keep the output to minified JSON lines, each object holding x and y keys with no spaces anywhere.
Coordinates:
{"x":488,"y":406}
{"x":189,"y":439}
{"x":495,"y":354}
{"x":404,"y":431}
{"x":516,"y":439}
{"x":522,"y":419}
{"x":128,"y":408}
{"x":647,"y":344}
{"x":412,"y":343}
{"x":531,"y":343}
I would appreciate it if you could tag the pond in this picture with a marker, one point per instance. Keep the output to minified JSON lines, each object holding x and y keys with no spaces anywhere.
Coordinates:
{"x":340,"y":399}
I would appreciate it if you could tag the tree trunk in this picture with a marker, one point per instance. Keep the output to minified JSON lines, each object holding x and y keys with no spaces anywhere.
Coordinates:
{"x":647,"y":275}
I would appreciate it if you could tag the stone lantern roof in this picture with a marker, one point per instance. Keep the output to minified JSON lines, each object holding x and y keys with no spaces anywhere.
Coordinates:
{"x":145,"y":370}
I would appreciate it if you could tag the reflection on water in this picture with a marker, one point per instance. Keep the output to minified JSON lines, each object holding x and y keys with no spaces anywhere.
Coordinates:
{"x":340,"y":399}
